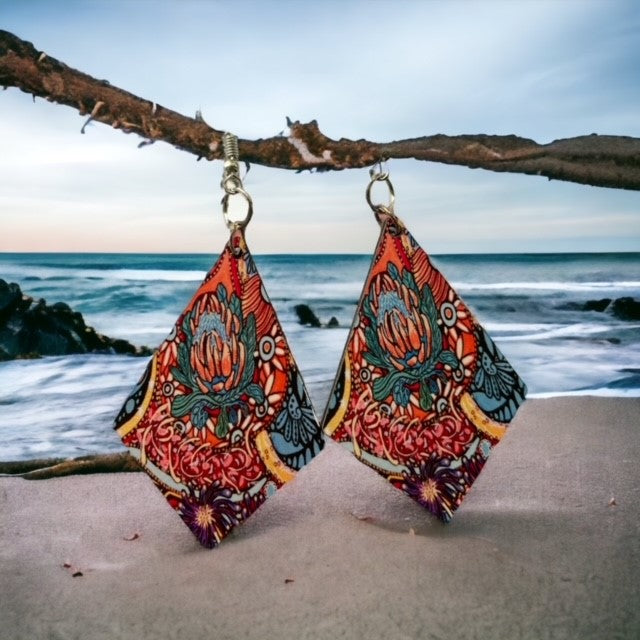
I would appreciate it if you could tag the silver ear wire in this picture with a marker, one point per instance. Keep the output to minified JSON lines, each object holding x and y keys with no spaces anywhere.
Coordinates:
{"x":232,"y":183}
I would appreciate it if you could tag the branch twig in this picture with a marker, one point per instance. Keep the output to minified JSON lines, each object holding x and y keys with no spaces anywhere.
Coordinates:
{"x":605,"y":161}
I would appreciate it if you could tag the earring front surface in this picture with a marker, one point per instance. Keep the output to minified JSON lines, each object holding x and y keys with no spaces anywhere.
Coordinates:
{"x":221,"y":417}
{"x":422,"y":392}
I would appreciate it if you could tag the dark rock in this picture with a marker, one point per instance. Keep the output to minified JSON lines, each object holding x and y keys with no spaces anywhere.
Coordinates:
{"x":596,"y":305}
{"x":306,"y":316}
{"x":333,"y":322}
{"x":10,"y":297}
{"x":29,"y":329}
{"x":626,"y":308}
{"x":589,"y":305}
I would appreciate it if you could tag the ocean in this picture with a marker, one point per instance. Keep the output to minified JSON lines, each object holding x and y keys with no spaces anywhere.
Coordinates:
{"x":65,"y":406}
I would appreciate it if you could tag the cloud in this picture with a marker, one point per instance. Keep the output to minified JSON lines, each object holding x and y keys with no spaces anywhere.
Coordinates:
{"x":381,"y":70}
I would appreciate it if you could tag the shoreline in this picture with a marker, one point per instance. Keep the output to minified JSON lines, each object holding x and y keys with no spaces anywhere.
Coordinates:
{"x":120,"y":461}
{"x":546,"y":545}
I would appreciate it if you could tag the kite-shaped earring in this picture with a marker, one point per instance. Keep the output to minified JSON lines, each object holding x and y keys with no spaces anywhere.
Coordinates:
{"x":221,"y":417}
{"x":422,"y":393}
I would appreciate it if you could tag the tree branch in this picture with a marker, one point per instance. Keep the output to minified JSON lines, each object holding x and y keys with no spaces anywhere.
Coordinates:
{"x":604,"y":161}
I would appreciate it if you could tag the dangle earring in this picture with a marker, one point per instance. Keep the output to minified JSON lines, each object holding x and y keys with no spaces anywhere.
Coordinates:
{"x":221,"y":417}
{"x":422,"y":393}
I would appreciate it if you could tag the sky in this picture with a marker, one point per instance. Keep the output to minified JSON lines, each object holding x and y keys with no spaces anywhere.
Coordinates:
{"x":381,"y":70}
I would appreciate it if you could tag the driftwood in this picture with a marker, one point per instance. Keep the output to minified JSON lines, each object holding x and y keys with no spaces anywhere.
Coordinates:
{"x":58,"y":467}
{"x":605,"y":161}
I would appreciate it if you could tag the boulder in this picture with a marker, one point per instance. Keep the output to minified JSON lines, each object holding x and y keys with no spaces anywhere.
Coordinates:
{"x":30,"y":328}
{"x":10,"y":297}
{"x":306,"y":315}
{"x":333,"y":322}
{"x":626,"y":308}
{"x":596,"y":305}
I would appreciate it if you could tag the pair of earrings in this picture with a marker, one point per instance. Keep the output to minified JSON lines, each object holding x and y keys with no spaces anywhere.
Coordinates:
{"x":221,"y":418}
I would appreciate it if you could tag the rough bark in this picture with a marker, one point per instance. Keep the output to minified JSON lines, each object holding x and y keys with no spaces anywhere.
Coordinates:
{"x":605,"y":161}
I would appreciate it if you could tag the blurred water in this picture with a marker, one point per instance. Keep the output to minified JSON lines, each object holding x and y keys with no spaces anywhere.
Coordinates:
{"x":66,"y":405}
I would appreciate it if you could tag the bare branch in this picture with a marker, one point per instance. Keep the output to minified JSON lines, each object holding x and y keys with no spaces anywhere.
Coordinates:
{"x":605,"y":161}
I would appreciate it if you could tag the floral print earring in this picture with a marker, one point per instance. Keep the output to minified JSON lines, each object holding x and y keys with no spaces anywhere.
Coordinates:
{"x":221,"y":417}
{"x":422,"y":393}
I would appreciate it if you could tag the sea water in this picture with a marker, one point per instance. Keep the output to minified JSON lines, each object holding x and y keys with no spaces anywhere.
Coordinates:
{"x":65,"y":406}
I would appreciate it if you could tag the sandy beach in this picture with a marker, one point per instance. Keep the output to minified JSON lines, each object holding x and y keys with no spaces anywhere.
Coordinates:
{"x":547,"y":545}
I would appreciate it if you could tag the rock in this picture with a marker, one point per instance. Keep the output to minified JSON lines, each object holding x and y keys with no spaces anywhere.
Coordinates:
{"x":306,"y":315}
{"x":10,"y":297}
{"x":596,"y":305}
{"x":333,"y":322}
{"x":589,"y":305}
{"x":30,"y":328}
{"x":626,"y":308}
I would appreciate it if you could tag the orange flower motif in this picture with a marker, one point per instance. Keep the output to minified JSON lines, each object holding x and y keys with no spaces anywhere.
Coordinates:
{"x":404,"y":333}
{"x":216,"y":363}
{"x":217,"y":356}
{"x":403,"y":338}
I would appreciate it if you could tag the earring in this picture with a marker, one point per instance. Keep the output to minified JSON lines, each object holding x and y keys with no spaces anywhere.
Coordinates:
{"x":422,"y":392}
{"x":221,"y":417}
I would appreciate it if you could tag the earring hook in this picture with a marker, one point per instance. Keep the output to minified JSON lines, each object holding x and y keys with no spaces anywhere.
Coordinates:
{"x":380,"y":176}
{"x":232,"y":183}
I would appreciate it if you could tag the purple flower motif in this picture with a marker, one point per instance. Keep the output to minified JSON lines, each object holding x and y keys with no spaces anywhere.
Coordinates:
{"x":212,"y":515}
{"x":436,"y":486}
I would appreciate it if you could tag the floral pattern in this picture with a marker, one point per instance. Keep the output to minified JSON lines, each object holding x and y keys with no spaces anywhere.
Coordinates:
{"x":403,"y":338}
{"x":213,"y":365}
{"x":221,"y":418}
{"x":212,"y":515}
{"x":422,"y":393}
{"x":434,"y":485}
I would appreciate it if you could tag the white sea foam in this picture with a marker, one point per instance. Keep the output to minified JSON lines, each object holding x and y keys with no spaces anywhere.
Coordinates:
{"x":549,"y":286}
{"x":562,"y":331}
{"x":142,"y":275}
{"x":602,"y":392}
{"x":157,"y":275}
{"x":519,"y":327}
{"x":326,"y":291}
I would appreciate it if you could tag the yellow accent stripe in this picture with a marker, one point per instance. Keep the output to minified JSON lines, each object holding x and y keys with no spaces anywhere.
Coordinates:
{"x":479,"y":419}
{"x":271,"y":460}
{"x":344,"y":400}
{"x":132,"y":422}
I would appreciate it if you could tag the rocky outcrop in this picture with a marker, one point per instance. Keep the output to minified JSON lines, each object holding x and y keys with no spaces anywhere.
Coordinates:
{"x":625,"y":308}
{"x":31,"y":328}
{"x":596,"y":305}
{"x":306,"y":315}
